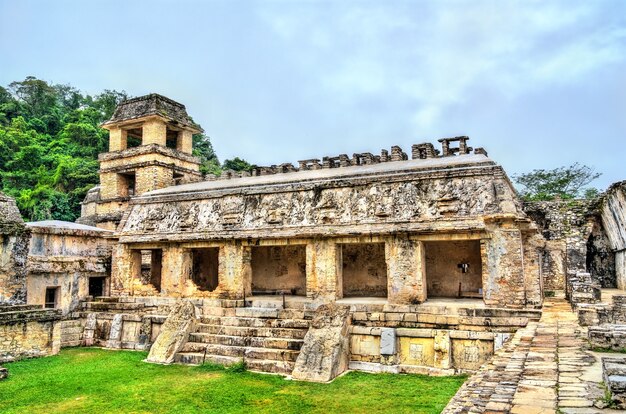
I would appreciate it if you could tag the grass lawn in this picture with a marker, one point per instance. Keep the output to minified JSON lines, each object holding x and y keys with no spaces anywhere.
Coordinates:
{"x":92,"y":380}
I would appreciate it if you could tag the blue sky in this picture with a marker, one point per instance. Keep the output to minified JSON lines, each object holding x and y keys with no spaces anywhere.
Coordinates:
{"x":539,"y":84}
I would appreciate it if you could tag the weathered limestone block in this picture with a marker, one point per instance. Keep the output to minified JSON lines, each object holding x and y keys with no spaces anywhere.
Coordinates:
{"x":90,"y":329}
{"x":174,"y":332}
{"x":608,"y":336}
{"x":582,"y":289}
{"x":326,"y":350}
{"x":115,"y":334}
{"x":405,"y":270}
{"x":614,"y":374}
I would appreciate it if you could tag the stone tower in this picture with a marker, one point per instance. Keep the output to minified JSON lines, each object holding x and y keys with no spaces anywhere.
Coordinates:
{"x":150,"y":144}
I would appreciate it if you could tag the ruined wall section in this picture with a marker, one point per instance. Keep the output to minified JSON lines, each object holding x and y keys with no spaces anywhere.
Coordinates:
{"x":613,"y":213}
{"x":66,"y":256}
{"x":28,"y":332}
{"x":575,"y":242}
{"x":14,"y":238}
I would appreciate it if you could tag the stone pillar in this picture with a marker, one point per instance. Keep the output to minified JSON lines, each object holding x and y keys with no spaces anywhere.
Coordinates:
{"x":503,"y":267}
{"x":406,"y":270}
{"x":126,"y":264}
{"x":323,"y":270}
{"x":118,"y":139}
{"x":154,"y":131}
{"x":235,"y":271}
{"x":620,"y":269}
{"x":532,"y":268}
{"x":185,"y":142}
{"x":176,"y":270}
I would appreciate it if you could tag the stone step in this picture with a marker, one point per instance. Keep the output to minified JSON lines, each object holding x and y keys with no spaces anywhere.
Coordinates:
{"x":109,"y":306}
{"x":196,"y":358}
{"x":277,"y":303}
{"x":257,"y":342}
{"x":255,"y":322}
{"x":292,"y":333}
{"x":247,"y":352}
{"x":106,"y":299}
{"x":256,"y":312}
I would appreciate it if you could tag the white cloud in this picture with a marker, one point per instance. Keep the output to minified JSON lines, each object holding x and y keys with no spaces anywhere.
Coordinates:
{"x":435,"y":53}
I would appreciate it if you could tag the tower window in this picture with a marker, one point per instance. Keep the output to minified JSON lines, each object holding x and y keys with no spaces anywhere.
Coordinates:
{"x":127,"y":184}
{"x":171,"y":138}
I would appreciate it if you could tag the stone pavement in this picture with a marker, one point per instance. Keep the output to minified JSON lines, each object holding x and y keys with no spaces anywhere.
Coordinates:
{"x":544,"y":368}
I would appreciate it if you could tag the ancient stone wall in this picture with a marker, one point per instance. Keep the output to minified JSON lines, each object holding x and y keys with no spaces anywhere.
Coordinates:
{"x":14,"y":238}
{"x":27,"y":332}
{"x":66,"y":256}
{"x":575,"y":242}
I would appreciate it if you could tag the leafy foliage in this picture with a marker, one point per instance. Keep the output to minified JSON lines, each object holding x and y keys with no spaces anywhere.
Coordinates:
{"x":563,"y":182}
{"x":237,"y":164}
{"x":49,"y":144}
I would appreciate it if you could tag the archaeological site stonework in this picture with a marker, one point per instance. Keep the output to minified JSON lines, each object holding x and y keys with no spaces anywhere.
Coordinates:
{"x":423,"y":261}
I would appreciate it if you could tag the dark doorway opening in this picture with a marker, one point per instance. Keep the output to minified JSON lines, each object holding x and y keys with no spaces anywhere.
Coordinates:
{"x":279,"y":269}
{"x":364,"y":270}
{"x":96,"y":286}
{"x":51,"y":297}
{"x":205,"y":268}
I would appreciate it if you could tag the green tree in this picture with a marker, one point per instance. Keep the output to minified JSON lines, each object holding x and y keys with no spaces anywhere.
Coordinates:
{"x":203,"y":149}
{"x":563,"y":182}
{"x":237,"y":164}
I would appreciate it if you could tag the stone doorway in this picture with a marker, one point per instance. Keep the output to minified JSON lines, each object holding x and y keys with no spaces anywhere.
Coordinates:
{"x":147,"y":267}
{"x":97,"y":286}
{"x":454,"y":269}
{"x":204,"y":272}
{"x":364,"y":270}
{"x":279,"y":270}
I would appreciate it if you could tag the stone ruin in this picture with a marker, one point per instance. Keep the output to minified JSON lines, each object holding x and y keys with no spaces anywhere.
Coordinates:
{"x":420,"y":262}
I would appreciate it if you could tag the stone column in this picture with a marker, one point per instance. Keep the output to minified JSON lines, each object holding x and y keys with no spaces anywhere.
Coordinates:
{"x":406,"y":270}
{"x":176,"y":270}
{"x":118,"y":139}
{"x":620,"y":269}
{"x":323,"y":270}
{"x":235,"y":271}
{"x":125,"y":265}
{"x":503,"y":267}
{"x":185,"y":142}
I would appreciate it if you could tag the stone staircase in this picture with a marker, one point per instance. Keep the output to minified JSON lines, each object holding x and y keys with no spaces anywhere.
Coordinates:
{"x":266,"y":336}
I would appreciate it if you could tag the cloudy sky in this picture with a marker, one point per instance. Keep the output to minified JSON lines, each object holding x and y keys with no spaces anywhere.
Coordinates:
{"x":539,"y":84}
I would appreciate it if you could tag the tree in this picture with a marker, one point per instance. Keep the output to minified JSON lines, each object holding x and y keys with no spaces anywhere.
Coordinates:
{"x":562,"y":182}
{"x":203,"y":149}
{"x":237,"y":164}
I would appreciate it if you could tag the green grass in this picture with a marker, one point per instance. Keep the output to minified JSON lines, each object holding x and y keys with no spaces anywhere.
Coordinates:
{"x":91,"y":380}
